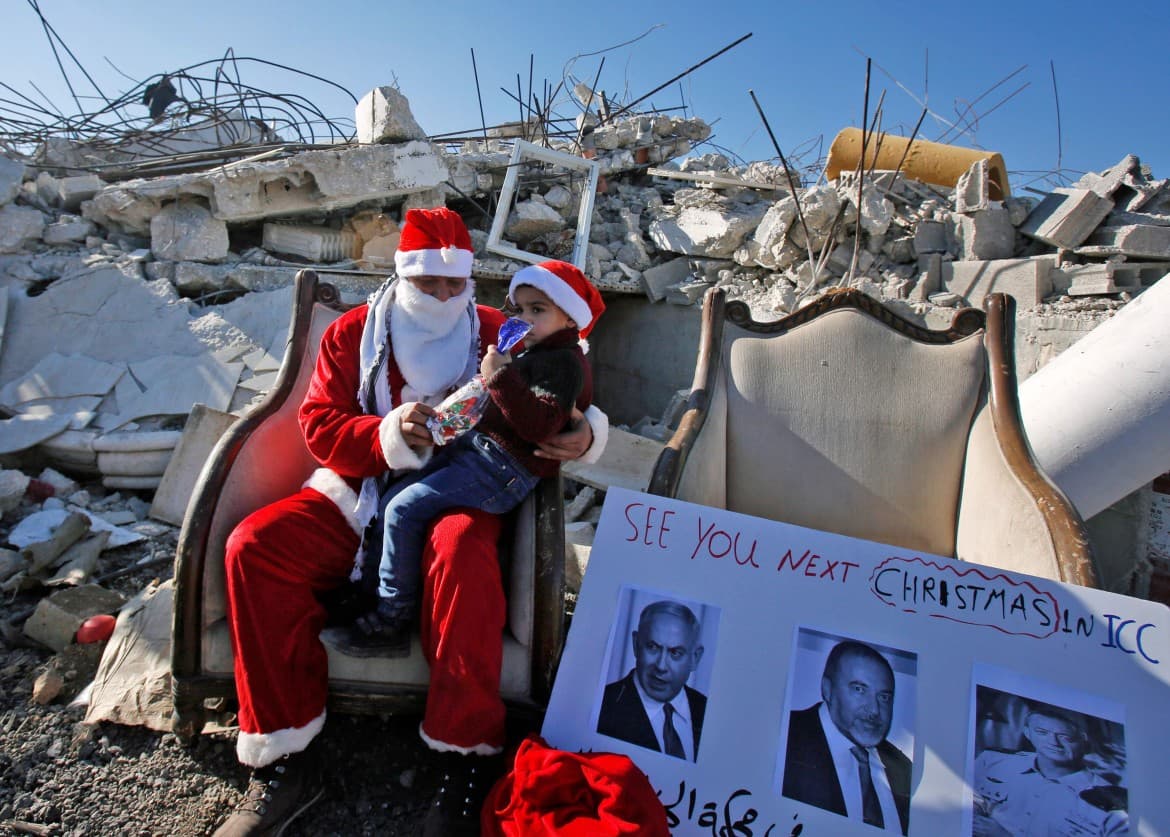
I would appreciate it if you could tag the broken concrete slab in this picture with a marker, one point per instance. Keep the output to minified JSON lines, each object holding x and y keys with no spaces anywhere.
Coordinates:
{"x":20,"y":226}
{"x":1066,"y":217}
{"x":82,"y":310}
{"x":318,"y":244}
{"x":530,"y":219}
{"x":578,"y":544}
{"x":383,"y":115}
{"x":971,"y":188}
{"x":57,"y":618}
{"x":61,"y":376}
{"x":1028,"y":280}
{"x":704,"y":231}
{"x":69,"y":229}
{"x":627,"y":462}
{"x":657,"y":279}
{"x":203,"y":430}
{"x":22,"y":432}
{"x":40,"y":525}
{"x":186,"y":231}
{"x":1143,"y":241}
{"x":170,"y":386}
{"x":309,"y":182}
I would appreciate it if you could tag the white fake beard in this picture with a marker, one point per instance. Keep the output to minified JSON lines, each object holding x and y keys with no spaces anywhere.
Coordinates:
{"x":431,"y":339}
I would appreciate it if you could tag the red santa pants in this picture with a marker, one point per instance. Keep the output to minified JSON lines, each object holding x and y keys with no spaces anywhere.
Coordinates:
{"x":279,"y":557}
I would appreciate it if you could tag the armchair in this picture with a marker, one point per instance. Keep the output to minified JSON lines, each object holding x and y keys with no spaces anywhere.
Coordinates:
{"x":239,"y":478}
{"x":848,"y":418}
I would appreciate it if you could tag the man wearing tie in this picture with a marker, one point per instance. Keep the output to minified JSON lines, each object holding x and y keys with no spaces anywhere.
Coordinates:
{"x":652,"y":706}
{"x":838,"y":757}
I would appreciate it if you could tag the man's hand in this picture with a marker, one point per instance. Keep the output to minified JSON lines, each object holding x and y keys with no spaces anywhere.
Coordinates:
{"x":414,"y":424}
{"x":493,"y":362}
{"x":571,"y":443}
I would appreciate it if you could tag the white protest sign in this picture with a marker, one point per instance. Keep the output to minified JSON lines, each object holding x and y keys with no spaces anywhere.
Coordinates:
{"x":958,"y":686}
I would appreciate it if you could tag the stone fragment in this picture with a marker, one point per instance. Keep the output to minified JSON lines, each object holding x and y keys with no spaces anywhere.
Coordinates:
{"x":68,"y":230}
{"x":187,"y":231}
{"x":203,"y":429}
{"x":530,"y":219}
{"x":383,"y":115}
{"x":20,"y":226}
{"x":686,"y":292}
{"x":1028,"y":280}
{"x":57,"y":618}
{"x":48,"y":685}
{"x":986,"y":233}
{"x":560,"y":199}
{"x":11,"y":178}
{"x":657,"y":279}
{"x":971,"y":188}
{"x":930,"y":237}
{"x":71,"y":191}
{"x":766,"y":245}
{"x":1066,"y":217}
{"x":698,"y":231}
{"x":62,"y":485}
{"x":12,"y":486}
{"x":578,"y":544}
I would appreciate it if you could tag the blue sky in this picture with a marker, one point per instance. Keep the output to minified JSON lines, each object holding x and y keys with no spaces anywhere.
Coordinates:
{"x":804,"y":61}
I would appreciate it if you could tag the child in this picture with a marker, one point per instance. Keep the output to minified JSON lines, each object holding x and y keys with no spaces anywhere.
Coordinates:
{"x":491,"y":467}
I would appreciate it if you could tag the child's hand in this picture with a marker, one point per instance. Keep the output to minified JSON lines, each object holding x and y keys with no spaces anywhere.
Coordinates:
{"x":493,"y":362}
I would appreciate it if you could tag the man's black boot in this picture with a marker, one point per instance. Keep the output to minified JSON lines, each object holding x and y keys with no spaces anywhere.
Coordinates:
{"x":277,"y":794}
{"x":455,"y":810}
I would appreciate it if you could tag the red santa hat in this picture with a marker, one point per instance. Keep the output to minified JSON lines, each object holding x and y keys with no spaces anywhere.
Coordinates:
{"x":568,"y":289}
{"x":433,"y":242}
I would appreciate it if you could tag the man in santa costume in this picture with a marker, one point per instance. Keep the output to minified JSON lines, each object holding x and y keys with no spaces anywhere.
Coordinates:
{"x":380,"y":368}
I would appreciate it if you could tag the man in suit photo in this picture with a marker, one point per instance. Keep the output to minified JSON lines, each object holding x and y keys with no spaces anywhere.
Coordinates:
{"x":837,"y":756}
{"x":652,"y":706}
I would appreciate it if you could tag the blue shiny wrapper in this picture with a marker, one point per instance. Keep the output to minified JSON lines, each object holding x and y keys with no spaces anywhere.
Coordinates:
{"x":511,"y":333}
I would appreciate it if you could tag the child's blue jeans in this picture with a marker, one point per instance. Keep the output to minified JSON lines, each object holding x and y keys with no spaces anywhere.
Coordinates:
{"x":471,"y":471}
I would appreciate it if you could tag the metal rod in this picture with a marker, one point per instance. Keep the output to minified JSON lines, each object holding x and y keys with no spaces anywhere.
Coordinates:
{"x":479,"y":96}
{"x":861,"y":173}
{"x":791,"y":183}
{"x":685,"y":72}
{"x":588,"y":102}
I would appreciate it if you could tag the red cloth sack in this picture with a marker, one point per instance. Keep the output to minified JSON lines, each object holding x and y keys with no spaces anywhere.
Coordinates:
{"x":551,"y":791}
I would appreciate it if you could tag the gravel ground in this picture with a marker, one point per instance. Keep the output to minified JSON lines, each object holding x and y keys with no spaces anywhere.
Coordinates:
{"x":61,"y":777}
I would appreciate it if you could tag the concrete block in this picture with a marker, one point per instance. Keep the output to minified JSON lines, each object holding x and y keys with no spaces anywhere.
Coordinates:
{"x":929,"y":277}
{"x":657,"y":279}
{"x":987,"y":233}
{"x":1138,"y":240}
{"x":20,"y":226}
{"x":1066,"y":217}
{"x":187,"y":231}
{"x":971,"y":188}
{"x":57,"y":618}
{"x":12,"y":486}
{"x":383,"y":115}
{"x":203,"y":430}
{"x":1028,"y":280}
{"x":71,"y":191}
{"x":626,"y":462}
{"x":686,"y":293}
{"x":530,"y":219}
{"x":68,"y":229}
{"x":930,"y":237}
{"x":11,"y":178}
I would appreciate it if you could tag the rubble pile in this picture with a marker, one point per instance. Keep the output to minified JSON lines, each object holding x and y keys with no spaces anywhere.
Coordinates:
{"x":130,"y":302}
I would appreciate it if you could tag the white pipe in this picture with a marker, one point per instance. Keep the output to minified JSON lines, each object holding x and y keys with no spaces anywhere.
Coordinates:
{"x":1098,"y":415}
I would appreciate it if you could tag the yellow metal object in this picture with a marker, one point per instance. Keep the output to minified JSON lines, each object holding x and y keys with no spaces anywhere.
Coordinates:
{"x":930,"y":162}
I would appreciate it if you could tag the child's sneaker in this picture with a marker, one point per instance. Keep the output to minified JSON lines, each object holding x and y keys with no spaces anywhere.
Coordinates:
{"x":372,"y":634}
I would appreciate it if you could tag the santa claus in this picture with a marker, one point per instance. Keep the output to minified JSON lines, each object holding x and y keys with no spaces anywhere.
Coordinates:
{"x":380,"y":369}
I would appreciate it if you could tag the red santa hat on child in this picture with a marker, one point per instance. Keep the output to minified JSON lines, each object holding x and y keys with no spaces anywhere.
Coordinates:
{"x":433,"y":242}
{"x":568,"y":289}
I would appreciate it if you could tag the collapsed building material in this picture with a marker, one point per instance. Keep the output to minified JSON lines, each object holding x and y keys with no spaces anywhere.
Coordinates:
{"x":1066,"y":217}
{"x":57,"y":618}
{"x":1098,"y":443}
{"x":930,"y":162}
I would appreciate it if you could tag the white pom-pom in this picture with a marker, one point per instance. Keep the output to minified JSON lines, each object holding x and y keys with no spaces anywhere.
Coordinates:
{"x":449,"y":254}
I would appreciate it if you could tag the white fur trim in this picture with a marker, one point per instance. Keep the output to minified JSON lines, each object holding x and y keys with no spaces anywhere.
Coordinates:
{"x":599,"y":423}
{"x":446,"y":261}
{"x":444,"y":747}
{"x":330,"y":483}
{"x":556,"y":289}
{"x":257,"y":749}
{"x":397,"y":452}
